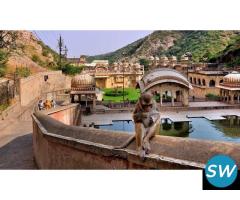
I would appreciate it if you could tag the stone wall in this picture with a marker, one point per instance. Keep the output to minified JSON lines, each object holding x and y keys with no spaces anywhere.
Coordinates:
{"x":65,"y":114}
{"x":32,"y":87}
{"x":7,"y":91}
{"x":201,"y":92}
{"x":60,"y":146}
{"x":116,"y":81}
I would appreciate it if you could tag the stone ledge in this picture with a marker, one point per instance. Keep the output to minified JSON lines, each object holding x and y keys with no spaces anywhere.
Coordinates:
{"x":97,"y":146}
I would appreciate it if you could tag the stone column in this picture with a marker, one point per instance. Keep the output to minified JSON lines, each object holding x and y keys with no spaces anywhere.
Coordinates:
{"x":232,"y":99}
{"x":185,"y":98}
{"x":161,"y":98}
{"x":79,"y":98}
{"x":238,"y":98}
{"x":172,"y":98}
{"x":94,"y":102}
{"x":72,"y":98}
{"x":86,"y":100}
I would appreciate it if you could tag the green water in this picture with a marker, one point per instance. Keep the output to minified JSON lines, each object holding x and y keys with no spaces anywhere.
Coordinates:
{"x":227,"y":129}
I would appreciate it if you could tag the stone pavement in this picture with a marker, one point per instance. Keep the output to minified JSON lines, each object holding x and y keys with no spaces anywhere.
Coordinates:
{"x":209,"y":104}
{"x":175,"y":116}
{"x":16,"y":144}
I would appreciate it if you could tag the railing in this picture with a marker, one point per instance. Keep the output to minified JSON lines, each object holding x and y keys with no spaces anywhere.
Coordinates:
{"x":116,"y":105}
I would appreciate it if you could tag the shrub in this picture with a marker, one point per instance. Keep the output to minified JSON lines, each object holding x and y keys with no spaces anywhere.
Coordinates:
{"x":71,"y":69}
{"x":45,"y":52}
{"x":35,"y":58}
{"x":211,"y":96}
{"x":2,"y":72}
{"x":116,"y":93}
{"x":133,"y":101}
{"x":23,"y":72}
{"x":3,"y":60}
{"x":145,"y":63}
{"x":3,"y":106}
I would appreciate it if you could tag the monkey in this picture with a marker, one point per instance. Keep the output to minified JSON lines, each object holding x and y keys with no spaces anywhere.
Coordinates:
{"x":146,"y":118}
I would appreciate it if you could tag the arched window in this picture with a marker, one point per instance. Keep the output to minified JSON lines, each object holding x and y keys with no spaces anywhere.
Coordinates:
{"x":221,"y":81}
{"x":212,"y":83}
{"x":195,"y":81}
{"x":199,"y":81}
{"x":190,"y":79}
{"x":204,"y":82}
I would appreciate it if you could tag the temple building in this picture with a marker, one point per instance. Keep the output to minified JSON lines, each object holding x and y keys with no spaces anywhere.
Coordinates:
{"x":182,"y":65}
{"x":101,"y":63}
{"x":82,"y":59}
{"x":205,"y":82}
{"x":230,"y":88}
{"x":116,"y":75}
{"x":168,"y":84}
{"x":83,"y":90}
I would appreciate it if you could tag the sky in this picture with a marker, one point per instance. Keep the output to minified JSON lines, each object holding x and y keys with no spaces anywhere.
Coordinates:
{"x":90,"y":42}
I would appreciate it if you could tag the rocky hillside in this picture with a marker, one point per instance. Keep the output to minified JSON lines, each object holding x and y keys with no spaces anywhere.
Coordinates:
{"x":31,"y":53}
{"x":204,"y":45}
{"x":230,"y":55}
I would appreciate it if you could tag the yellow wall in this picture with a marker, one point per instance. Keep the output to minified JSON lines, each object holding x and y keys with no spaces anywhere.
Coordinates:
{"x":115,"y":81}
{"x":200,"y":90}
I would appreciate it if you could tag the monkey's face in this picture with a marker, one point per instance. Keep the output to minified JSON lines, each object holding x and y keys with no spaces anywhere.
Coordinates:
{"x":147,"y":108}
{"x":146,"y":102}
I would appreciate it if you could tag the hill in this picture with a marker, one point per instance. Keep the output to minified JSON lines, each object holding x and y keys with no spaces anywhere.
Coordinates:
{"x":204,"y":45}
{"x":230,"y":55}
{"x":28,"y":52}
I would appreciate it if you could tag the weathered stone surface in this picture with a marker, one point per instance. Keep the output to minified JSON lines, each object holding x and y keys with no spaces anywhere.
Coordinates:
{"x":57,"y":145}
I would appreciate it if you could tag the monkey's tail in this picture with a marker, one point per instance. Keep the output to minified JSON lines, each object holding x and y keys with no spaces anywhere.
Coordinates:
{"x":125,"y":144}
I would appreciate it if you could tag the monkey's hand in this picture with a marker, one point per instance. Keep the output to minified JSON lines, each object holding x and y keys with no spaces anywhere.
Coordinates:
{"x":138,"y":117}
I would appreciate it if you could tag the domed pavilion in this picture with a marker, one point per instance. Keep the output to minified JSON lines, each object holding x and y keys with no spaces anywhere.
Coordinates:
{"x":230,"y":88}
{"x":83,"y":90}
{"x":169,"y":84}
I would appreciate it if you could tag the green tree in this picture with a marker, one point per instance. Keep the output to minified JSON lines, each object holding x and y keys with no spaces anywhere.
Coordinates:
{"x":3,"y":60}
{"x":145,"y":63}
{"x":71,"y":69}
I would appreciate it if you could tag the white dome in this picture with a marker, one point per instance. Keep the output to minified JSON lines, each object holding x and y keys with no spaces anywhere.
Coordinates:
{"x":184,"y":57}
{"x":82,"y":80}
{"x":151,"y":58}
{"x":233,"y":77}
{"x":137,"y":66}
{"x":173,"y":58}
{"x":164,"y":58}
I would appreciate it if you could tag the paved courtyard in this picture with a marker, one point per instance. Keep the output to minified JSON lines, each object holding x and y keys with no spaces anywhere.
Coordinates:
{"x":209,"y":104}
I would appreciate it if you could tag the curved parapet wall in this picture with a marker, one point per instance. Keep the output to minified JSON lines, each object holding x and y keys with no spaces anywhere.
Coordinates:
{"x":60,"y":146}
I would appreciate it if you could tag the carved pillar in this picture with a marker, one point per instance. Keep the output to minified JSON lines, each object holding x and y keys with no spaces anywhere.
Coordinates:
{"x":172,"y":98}
{"x":94,"y":102}
{"x":79,"y":98}
{"x":86,"y":100}
{"x":160,"y":93}
{"x":185,"y":98}
{"x":232,"y":98}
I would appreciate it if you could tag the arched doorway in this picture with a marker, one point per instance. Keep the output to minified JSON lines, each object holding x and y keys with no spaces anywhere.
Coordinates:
{"x":199,"y":81}
{"x":212,"y":83}
{"x":203,"y":82}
